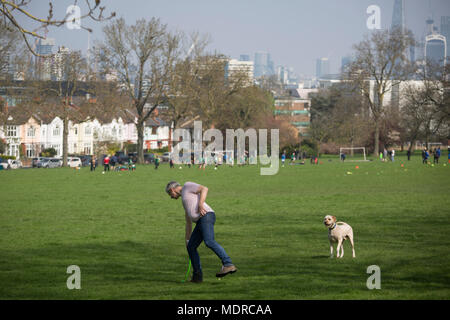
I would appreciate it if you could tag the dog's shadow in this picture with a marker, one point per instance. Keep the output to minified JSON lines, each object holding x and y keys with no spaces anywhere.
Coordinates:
{"x":321,"y":257}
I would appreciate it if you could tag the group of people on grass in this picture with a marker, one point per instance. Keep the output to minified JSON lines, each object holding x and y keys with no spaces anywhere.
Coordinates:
{"x":295,"y":155}
{"x":387,"y":154}
{"x":111,"y":163}
{"x":436,"y":155}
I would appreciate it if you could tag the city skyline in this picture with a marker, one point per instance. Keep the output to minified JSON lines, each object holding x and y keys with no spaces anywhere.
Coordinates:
{"x":294,"y":33}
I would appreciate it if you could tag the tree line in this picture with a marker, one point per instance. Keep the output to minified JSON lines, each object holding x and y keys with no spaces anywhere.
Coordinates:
{"x":140,"y":67}
{"x":355,"y":111}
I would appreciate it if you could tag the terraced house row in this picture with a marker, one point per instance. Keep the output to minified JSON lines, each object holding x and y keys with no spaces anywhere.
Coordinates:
{"x":28,"y":134}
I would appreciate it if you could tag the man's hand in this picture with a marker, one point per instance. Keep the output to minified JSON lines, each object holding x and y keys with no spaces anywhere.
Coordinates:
{"x":203,"y":191}
{"x":201,"y":210}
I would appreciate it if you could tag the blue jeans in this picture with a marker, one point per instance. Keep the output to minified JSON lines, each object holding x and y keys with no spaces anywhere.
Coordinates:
{"x":204,"y":231}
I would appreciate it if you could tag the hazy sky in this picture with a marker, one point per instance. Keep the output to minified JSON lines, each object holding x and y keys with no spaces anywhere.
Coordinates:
{"x":294,"y":32}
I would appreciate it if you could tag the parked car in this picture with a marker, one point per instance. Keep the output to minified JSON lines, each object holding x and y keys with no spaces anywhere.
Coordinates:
{"x":149,"y":157}
{"x":35,"y":162}
{"x":10,"y":164}
{"x":85,"y":160}
{"x":51,"y":163}
{"x":165,"y":156}
{"x":4,"y":164}
{"x":73,"y":162}
{"x":121,"y":157}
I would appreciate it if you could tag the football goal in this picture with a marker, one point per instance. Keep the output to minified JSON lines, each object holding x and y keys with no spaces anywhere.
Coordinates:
{"x":429,"y":146}
{"x":220,"y":157}
{"x":352,"y":154}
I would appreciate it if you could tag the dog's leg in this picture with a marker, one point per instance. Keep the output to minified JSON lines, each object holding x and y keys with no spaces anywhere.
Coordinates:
{"x":331,"y":249}
{"x":350,"y":237}
{"x":339,"y":247}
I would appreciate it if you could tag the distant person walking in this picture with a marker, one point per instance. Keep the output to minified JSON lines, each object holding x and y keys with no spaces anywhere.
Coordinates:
{"x":112,"y":162}
{"x":131,"y":165}
{"x":283,"y":158}
{"x":393,"y":155}
{"x":156,"y":162}
{"x":93,"y":163}
{"x":193,"y":197}
{"x":106,"y":163}
{"x":385,"y":154}
{"x":437,"y":155}
{"x":408,"y":153}
{"x":425,"y":156}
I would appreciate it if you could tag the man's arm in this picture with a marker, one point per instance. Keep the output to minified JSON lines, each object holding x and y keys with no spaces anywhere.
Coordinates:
{"x":203,"y":191}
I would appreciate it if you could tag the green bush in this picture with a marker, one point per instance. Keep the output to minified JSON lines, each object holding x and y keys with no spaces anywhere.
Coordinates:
{"x":310,"y":147}
{"x":5,"y":157}
{"x":49,"y":152}
{"x":161,"y":150}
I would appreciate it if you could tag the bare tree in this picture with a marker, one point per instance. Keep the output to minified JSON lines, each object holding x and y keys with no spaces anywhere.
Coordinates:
{"x":426,"y":107}
{"x":12,"y":10}
{"x":247,"y":108}
{"x":56,"y":98}
{"x":380,"y":58}
{"x":212,"y":90}
{"x":143,"y":57}
{"x":181,"y":98}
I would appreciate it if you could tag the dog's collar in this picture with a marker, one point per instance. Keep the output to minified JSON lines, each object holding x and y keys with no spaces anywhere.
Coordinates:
{"x":334,"y":226}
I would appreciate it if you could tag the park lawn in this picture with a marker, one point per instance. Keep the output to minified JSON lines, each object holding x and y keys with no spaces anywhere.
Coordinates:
{"x":127,"y":235}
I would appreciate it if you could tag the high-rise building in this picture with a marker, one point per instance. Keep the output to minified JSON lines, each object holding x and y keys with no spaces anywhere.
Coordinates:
{"x":244,"y":57}
{"x":270,"y":66}
{"x":445,"y":31}
{"x":322,"y":67}
{"x":283,"y":74}
{"x":430,"y":25}
{"x":436,"y":48}
{"x":264,"y":66}
{"x":44,"y":48}
{"x":398,"y":21}
{"x":59,"y":64}
{"x":234,"y":66}
{"x":345,"y":61}
{"x":398,"y":15}
{"x":260,"y":64}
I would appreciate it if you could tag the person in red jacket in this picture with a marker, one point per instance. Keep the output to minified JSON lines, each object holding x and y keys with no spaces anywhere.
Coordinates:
{"x":106,"y":163}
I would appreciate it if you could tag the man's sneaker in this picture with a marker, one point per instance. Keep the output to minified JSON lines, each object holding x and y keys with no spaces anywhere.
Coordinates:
{"x":197,"y":278}
{"x":226,"y":270}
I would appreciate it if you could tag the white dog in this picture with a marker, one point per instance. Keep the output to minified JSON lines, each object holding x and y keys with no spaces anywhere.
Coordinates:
{"x":338,"y":232}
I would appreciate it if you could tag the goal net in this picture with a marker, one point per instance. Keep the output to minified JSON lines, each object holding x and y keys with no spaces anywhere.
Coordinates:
{"x":352,"y":154}
{"x":219,"y":157}
{"x":430,"y":145}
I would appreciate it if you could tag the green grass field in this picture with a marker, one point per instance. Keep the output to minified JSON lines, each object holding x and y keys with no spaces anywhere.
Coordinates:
{"x":127,"y":235}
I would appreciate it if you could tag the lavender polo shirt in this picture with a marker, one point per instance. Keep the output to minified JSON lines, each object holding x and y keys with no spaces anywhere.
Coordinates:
{"x":190,"y":200}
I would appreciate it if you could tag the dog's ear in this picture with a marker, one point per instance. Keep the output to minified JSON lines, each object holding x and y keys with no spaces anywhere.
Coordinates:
{"x":334,"y":218}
